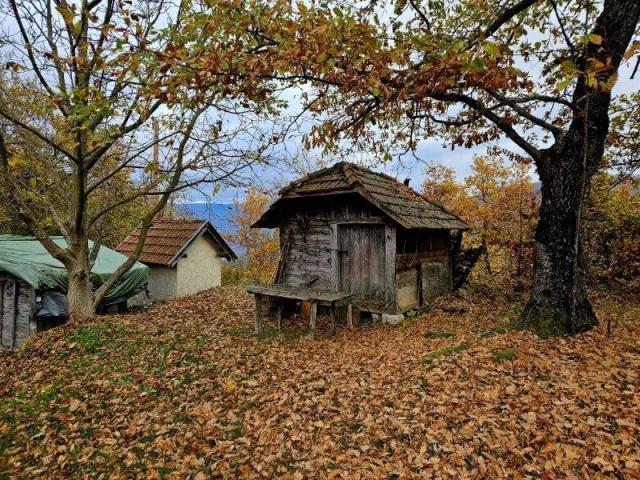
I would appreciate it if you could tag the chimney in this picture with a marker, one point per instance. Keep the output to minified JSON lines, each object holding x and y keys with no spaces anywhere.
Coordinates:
{"x":406,"y":181}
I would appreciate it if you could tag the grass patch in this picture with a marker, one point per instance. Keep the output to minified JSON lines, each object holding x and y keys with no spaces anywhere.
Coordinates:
{"x":514,"y":313}
{"x":506,"y":355}
{"x":498,"y":330}
{"x":236,"y":431}
{"x":446,"y":352}
{"x":17,"y":413}
{"x":89,"y":339}
{"x":439,"y":334}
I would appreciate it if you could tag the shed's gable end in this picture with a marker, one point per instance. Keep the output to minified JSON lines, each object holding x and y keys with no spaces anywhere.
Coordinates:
{"x":397,"y":201}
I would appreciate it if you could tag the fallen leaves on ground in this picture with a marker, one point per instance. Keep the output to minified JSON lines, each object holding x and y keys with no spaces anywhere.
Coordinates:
{"x":185,"y":391}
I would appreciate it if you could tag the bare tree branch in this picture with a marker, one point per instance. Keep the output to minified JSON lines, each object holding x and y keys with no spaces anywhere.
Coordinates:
{"x":500,"y":122}
{"x":505,"y":16}
{"x":33,"y":131}
{"x":557,"y":132}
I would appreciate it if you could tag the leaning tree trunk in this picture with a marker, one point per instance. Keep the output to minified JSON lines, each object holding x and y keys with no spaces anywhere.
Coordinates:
{"x":559,"y":303}
{"x":463,"y":259}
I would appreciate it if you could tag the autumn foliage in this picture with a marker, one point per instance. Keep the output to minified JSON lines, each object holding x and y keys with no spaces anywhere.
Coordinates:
{"x":261,"y":247}
{"x":612,"y":233}
{"x":499,"y":202}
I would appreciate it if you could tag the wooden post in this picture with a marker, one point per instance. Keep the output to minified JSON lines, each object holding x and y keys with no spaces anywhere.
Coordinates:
{"x":258,"y":319}
{"x":350,"y":316}
{"x":312,"y":319}
{"x":13,"y":320}
{"x":332,"y":312}
{"x":335,"y":258}
{"x":279,"y":315}
{"x":390,"y":266}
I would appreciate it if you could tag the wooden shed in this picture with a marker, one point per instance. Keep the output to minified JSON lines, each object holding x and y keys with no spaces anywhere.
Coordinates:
{"x":16,"y":300}
{"x":348,"y":229}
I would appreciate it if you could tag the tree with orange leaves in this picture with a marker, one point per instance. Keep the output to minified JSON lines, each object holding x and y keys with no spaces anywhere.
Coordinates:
{"x":498,"y":201}
{"x":261,"y":246}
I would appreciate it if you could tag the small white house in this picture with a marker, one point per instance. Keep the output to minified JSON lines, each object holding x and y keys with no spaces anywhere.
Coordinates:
{"x":185,"y":256}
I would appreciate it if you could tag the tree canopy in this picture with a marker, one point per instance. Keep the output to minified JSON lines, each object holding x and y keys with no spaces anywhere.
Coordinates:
{"x":538,"y":73}
{"x":91,"y":100}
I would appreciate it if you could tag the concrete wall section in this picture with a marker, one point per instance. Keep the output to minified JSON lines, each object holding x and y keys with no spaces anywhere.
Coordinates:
{"x":163,"y":283}
{"x":200,"y":268}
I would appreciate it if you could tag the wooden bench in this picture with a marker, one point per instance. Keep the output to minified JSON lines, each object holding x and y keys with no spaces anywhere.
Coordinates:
{"x":316,"y":297}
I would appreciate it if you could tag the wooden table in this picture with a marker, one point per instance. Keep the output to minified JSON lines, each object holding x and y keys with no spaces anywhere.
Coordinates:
{"x":315,"y":296}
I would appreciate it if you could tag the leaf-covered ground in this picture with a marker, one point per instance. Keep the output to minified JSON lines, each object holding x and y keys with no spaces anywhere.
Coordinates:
{"x":185,"y":391}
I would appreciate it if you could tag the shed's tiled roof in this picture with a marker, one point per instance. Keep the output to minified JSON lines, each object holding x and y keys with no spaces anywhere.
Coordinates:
{"x":395,"y":199}
{"x":168,"y":238}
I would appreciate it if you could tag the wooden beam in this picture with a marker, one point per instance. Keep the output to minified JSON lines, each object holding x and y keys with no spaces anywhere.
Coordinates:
{"x":335,"y":258}
{"x":299,"y":293}
{"x":279,"y":315}
{"x":258,"y":315}
{"x":332,"y":312}
{"x":312,"y":319}
{"x":390,"y":268}
{"x":16,"y":312}
{"x":363,"y":221}
{"x":350,"y":316}
{"x":2,"y":284}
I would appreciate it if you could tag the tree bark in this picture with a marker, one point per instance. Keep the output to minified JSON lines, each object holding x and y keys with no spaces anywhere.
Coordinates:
{"x":559,"y":303}
{"x":463,"y":259}
{"x":80,"y":295}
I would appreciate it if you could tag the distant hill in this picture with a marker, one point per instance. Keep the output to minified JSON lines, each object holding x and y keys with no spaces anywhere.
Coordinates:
{"x":219,"y":214}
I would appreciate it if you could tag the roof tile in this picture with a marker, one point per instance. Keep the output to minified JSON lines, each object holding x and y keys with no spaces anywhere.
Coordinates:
{"x":165,"y":238}
{"x":398,"y":201}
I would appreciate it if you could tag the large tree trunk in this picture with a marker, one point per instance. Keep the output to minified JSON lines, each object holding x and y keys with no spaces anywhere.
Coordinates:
{"x":80,"y":295}
{"x":559,"y":304}
{"x":80,"y":298}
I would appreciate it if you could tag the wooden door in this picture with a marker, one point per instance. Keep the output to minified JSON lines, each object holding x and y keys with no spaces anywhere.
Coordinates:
{"x":362,"y":261}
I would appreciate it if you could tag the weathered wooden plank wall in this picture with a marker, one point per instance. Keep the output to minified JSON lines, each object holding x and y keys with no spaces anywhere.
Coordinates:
{"x":390,"y":233}
{"x":342,"y":242}
{"x":16,"y":324}
{"x":423,"y":266}
{"x":313,"y":230}
{"x":363,"y":264}
{"x":347,"y":244}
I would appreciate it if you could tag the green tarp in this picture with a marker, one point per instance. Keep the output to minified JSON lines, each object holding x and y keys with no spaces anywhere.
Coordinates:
{"x":25,"y":258}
